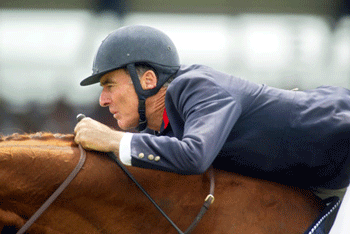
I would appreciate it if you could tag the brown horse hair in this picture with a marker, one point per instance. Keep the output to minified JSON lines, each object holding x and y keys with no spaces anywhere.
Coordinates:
{"x":37,"y":136}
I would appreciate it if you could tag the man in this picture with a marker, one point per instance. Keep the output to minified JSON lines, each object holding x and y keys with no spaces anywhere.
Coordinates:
{"x":193,"y":116}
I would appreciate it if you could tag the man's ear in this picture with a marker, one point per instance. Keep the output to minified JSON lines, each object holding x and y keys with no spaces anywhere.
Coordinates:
{"x":148,"y":80}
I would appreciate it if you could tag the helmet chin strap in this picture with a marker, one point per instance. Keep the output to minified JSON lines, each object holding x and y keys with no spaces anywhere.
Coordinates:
{"x":163,"y":75}
{"x":142,"y":98}
{"x":142,"y":113}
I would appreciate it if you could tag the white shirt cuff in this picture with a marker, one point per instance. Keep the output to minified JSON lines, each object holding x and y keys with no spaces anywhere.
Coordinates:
{"x":125,"y":149}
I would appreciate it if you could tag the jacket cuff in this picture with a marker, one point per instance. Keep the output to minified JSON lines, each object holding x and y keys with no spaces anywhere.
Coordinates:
{"x":125,"y":149}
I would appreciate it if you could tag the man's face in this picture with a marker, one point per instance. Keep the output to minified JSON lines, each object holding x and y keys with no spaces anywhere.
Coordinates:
{"x":119,"y":95}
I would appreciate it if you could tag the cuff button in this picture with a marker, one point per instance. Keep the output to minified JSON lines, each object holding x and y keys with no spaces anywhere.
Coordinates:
{"x":150,"y":157}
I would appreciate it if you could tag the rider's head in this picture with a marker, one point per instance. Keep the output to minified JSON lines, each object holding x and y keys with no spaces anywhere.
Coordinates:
{"x":135,"y":45}
{"x":131,"y":46}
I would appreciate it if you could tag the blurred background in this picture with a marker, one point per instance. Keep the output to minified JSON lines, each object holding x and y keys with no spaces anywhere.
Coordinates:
{"x":47,"y":48}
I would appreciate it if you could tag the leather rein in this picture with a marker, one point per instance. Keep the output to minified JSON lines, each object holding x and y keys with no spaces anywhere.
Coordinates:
{"x":207,"y":202}
{"x":58,"y":191}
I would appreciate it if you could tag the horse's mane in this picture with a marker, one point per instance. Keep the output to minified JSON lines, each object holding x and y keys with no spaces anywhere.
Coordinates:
{"x":38,"y":136}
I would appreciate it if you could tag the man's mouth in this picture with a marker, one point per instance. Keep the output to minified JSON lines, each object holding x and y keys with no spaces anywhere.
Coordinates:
{"x":115,"y":116}
{"x":114,"y":113}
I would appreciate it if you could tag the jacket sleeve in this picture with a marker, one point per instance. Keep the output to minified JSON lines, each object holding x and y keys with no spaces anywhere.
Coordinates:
{"x":202,"y":115}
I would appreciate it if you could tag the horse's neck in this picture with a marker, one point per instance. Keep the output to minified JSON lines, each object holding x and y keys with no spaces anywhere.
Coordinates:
{"x":37,"y":164}
{"x":102,"y":197}
{"x":34,"y":166}
{"x":31,"y":170}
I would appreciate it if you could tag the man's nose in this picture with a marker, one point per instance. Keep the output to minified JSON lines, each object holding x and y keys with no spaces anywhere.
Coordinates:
{"x":104,"y":99}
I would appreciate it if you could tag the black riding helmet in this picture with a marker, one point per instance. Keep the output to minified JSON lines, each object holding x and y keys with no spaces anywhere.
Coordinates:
{"x":132,"y":45}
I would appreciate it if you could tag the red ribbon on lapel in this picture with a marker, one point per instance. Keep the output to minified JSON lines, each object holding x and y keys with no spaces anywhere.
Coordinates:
{"x":165,"y":119}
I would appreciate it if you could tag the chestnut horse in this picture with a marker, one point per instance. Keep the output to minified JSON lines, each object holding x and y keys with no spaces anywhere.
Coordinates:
{"x":102,"y":199}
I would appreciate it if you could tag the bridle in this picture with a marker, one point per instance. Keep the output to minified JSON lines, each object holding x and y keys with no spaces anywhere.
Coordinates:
{"x":207,"y":202}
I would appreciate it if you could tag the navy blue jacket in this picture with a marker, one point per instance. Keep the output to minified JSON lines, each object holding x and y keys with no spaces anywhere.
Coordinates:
{"x":293,"y":137}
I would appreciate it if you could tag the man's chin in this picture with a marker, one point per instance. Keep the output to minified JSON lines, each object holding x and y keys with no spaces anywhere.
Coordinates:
{"x":125,"y":126}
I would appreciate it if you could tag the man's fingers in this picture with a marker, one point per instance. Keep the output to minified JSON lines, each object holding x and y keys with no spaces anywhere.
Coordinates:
{"x":79,"y":139}
{"x":93,"y":135}
{"x":83,"y":123}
